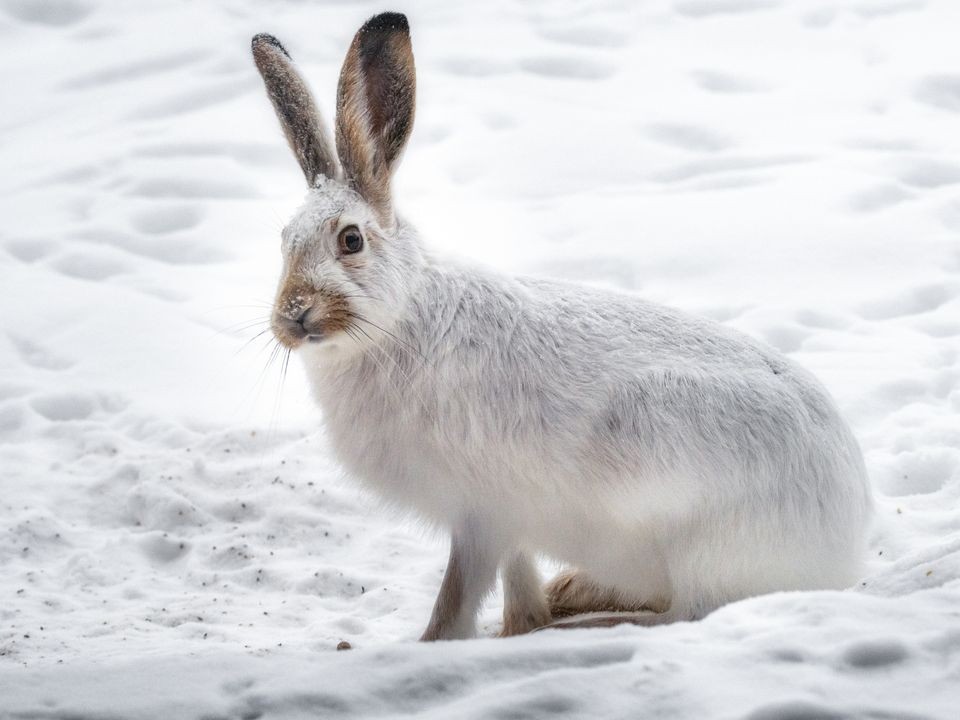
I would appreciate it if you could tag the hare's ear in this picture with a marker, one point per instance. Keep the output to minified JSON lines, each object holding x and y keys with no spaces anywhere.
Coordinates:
{"x":375,"y":106}
{"x":295,"y":108}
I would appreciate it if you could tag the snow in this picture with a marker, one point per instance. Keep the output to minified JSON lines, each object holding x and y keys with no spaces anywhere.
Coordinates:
{"x":175,"y":541}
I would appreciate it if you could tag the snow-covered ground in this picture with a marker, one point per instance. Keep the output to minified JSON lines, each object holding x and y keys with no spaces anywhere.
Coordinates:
{"x":175,"y":541}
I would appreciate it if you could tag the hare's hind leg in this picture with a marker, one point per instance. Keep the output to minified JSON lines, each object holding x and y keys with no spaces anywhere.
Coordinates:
{"x":524,"y":605}
{"x":627,"y":573}
{"x":573,"y":592}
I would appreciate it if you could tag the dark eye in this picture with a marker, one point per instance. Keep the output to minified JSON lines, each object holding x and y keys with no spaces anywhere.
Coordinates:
{"x":351,"y":241}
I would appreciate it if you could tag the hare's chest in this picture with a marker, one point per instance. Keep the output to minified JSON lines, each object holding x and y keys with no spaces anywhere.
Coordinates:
{"x":381,"y":436}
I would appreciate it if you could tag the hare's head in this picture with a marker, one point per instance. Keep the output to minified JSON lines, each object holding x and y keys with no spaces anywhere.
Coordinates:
{"x":347,"y":260}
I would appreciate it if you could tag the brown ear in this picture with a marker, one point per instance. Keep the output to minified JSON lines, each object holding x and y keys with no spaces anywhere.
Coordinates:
{"x":375,"y":107}
{"x":295,"y":109}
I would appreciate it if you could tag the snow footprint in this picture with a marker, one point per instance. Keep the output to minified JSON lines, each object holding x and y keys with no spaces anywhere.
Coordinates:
{"x":565,"y":67}
{"x":89,"y":266}
{"x":689,"y":137}
{"x":255,"y":153}
{"x":928,"y":174}
{"x":916,"y":301}
{"x":821,"y":320}
{"x":38,"y":356}
{"x":722,"y":165}
{"x":161,"y":547}
{"x":797,"y":710}
{"x":786,"y":338}
{"x":706,"y":8}
{"x":588,"y":36}
{"x":720,"y":82}
{"x":194,"y":99}
{"x":950,"y":217}
{"x":474,"y":66}
{"x":30,"y":250}
{"x":157,"y":239}
{"x":878,"y":198}
{"x":870,"y":654}
{"x":180,"y":187}
{"x":169,"y":219}
{"x":940,"y":91}
{"x":11,"y":418}
{"x":921,"y":472}
{"x":133,"y":70}
{"x":64,"y":407}
{"x":52,"y":13}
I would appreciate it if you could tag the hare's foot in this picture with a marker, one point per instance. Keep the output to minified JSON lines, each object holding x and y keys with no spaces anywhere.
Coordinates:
{"x":524,"y":605}
{"x":573,"y":592}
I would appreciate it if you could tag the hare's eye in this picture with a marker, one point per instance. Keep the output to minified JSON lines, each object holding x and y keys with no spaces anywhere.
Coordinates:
{"x":351,"y":241}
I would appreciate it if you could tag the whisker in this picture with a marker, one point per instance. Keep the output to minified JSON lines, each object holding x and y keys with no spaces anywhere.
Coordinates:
{"x":241,"y":326}
{"x":253,"y":394}
{"x":394,"y":386}
{"x":247,"y":343}
{"x":366,"y":297}
{"x":386,"y":332}
{"x":418,"y":361}
{"x":405,"y":375}
{"x":278,"y":400}
{"x":286,"y":364}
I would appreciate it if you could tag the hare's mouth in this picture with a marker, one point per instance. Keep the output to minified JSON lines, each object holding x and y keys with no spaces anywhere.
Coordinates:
{"x":303,"y":314}
{"x":303,"y":329}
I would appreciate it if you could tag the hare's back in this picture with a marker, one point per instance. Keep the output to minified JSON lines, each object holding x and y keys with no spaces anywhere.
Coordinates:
{"x":642,"y":366}
{"x":623,"y":326}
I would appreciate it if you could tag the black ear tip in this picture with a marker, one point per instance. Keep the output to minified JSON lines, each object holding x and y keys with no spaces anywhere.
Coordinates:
{"x":388,"y":21}
{"x":267,"y":39}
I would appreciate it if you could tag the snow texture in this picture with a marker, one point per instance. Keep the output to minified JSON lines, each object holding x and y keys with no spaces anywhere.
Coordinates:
{"x":175,"y":538}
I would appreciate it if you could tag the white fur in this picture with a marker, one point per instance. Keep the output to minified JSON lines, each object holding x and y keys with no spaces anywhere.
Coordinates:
{"x":670,"y":458}
{"x":661,"y":453}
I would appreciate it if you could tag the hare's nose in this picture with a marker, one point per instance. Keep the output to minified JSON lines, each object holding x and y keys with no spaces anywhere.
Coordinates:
{"x":301,"y":318}
{"x":295,"y":326}
{"x":313,"y":333}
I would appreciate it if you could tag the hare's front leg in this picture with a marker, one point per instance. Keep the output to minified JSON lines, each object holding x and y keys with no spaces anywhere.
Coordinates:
{"x":525,"y":605}
{"x":470,"y":574}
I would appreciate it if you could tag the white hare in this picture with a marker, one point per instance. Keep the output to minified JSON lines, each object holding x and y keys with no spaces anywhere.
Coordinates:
{"x":673,"y":464}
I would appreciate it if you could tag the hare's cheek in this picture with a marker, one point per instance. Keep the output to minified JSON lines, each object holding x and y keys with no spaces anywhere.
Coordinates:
{"x":356,"y":264}
{"x":357,"y":275}
{"x":330,"y":314}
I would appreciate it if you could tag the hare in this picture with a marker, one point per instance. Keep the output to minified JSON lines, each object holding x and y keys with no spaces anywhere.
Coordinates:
{"x":672,"y":464}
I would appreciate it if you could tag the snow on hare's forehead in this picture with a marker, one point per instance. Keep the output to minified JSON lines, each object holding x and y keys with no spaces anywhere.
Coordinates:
{"x":327,"y":199}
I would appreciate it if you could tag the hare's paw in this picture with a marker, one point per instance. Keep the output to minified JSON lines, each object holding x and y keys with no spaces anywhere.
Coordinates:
{"x":524,"y":606}
{"x":570,"y":593}
{"x":521,"y":619}
{"x":573,"y":592}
